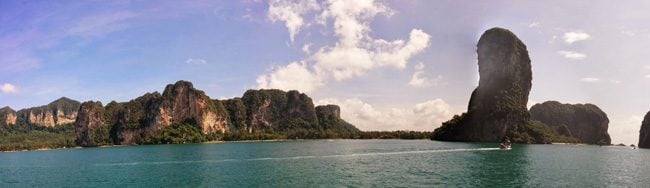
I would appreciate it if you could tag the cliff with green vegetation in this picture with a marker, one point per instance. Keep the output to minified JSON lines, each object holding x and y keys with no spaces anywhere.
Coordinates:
{"x":497,"y":107}
{"x":183,"y":110}
{"x":7,"y":118}
{"x":59,"y":112}
{"x":585,"y":122}
{"x":644,"y":134}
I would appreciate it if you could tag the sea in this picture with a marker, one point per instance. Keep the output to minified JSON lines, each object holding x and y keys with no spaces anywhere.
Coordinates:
{"x":329,"y":163}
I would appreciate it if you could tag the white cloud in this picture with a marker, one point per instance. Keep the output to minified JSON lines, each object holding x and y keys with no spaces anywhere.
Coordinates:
{"x":572,"y":37}
{"x":590,"y":79}
{"x":533,"y":25}
{"x":625,"y":129}
{"x":356,"y":52}
{"x":295,"y":76}
{"x":102,"y":24}
{"x":572,"y":55}
{"x":647,"y":76}
{"x":424,"y":116}
{"x":8,"y":88}
{"x":418,"y":81}
{"x":196,"y":61}
{"x":291,"y":13}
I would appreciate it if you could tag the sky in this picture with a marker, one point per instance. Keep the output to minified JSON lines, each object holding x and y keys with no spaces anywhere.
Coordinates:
{"x":390,"y":65}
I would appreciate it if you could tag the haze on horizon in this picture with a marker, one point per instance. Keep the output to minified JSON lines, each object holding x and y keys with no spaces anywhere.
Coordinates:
{"x":390,"y":65}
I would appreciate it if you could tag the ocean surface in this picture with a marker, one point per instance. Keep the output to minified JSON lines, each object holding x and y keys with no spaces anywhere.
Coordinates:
{"x":329,"y":163}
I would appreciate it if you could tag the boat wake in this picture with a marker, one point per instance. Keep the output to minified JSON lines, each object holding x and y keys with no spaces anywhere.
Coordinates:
{"x":298,"y":157}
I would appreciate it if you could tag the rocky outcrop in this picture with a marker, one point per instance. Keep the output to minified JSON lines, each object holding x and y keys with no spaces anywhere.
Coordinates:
{"x":586,"y":122}
{"x":89,"y":126}
{"x":258,"y":111}
{"x":329,"y":117}
{"x":59,"y":112}
{"x":7,"y":116}
{"x":644,"y":134}
{"x":135,"y":121}
{"x":180,"y":102}
{"x":497,"y":106}
{"x":271,"y":110}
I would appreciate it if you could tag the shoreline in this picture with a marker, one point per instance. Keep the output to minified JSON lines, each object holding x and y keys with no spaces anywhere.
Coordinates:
{"x":208,"y":142}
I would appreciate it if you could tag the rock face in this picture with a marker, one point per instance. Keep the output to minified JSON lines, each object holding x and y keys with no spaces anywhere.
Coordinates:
{"x":497,"y":106}
{"x":586,"y":122}
{"x":644,"y":136}
{"x":59,"y":112}
{"x":329,"y":117}
{"x":89,"y":124}
{"x":258,"y":111}
{"x":180,"y":102}
{"x":138,"y":119}
{"x":270,"y":110}
{"x":7,"y":116}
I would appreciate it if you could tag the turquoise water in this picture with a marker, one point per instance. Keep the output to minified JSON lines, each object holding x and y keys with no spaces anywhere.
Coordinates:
{"x":323,"y":163}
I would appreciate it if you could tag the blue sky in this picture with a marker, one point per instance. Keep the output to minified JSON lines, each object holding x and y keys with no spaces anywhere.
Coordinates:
{"x":389,"y":64}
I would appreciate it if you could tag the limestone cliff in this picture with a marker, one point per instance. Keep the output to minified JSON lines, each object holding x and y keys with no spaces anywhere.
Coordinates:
{"x":586,"y":122}
{"x":7,"y":116}
{"x":89,"y":125}
{"x":329,"y":117}
{"x":135,"y":121}
{"x":271,"y":110}
{"x":497,"y":107}
{"x":644,"y":134}
{"x":258,"y":111}
{"x":58,"y":112}
{"x":180,"y":102}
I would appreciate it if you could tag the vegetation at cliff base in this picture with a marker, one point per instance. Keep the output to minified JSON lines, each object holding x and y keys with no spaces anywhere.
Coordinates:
{"x":16,"y":139}
{"x":177,"y":134}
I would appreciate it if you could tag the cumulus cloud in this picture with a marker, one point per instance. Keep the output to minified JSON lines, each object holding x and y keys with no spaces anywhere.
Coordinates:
{"x":590,"y":80}
{"x":418,"y":81}
{"x":572,"y":55}
{"x":291,"y":13}
{"x":295,"y":76}
{"x":196,"y":61}
{"x":571,"y":37}
{"x":424,"y":116}
{"x":356,"y":52}
{"x":8,"y":88}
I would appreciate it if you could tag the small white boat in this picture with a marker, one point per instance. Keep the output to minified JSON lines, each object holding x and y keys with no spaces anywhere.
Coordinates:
{"x":505,"y":147}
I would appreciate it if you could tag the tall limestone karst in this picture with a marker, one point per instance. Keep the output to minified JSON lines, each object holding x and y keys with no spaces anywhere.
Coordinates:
{"x":497,"y":106}
{"x":644,"y":134}
{"x":586,"y":122}
{"x":59,"y":112}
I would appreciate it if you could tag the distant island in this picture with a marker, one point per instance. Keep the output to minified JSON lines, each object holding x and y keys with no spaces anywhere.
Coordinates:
{"x":181,"y":114}
{"x":498,"y":106}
